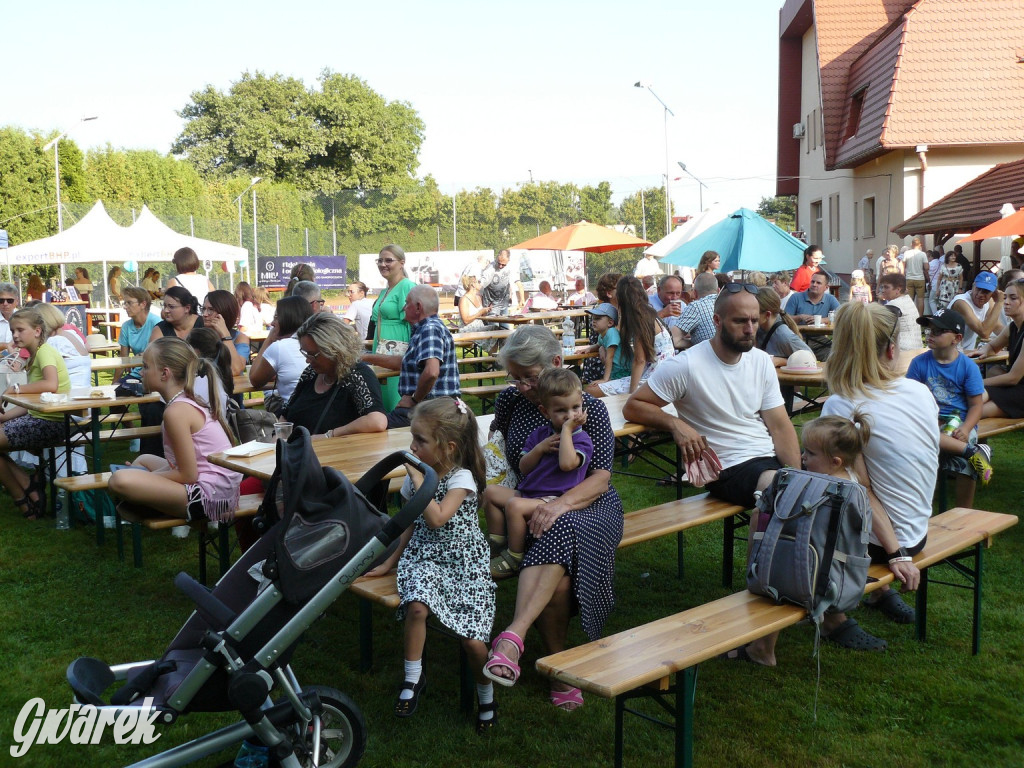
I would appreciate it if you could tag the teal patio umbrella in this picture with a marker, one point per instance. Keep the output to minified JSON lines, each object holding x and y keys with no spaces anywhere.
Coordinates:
{"x":745,"y":241}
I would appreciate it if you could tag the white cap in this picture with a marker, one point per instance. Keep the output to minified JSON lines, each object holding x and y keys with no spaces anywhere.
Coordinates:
{"x":857,"y":274}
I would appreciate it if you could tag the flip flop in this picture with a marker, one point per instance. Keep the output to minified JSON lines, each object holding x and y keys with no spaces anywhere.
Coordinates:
{"x":497,"y":659}
{"x":852,"y":636}
{"x":561,"y":698}
{"x":893,"y":607}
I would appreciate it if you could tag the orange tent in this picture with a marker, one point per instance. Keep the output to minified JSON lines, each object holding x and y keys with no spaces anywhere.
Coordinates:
{"x":1011,"y":226}
{"x":592,"y":238}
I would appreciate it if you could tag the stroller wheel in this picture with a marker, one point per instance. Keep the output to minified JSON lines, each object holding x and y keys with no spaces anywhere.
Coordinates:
{"x":342,"y":731}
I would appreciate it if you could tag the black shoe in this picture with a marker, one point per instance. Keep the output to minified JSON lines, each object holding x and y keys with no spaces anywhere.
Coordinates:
{"x":486,"y":726}
{"x":406,"y":707}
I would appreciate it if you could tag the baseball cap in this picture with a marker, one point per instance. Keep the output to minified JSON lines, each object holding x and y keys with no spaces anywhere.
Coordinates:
{"x":986,"y":280}
{"x":857,"y":274}
{"x":944,"y":320}
{"x":606,"y":310}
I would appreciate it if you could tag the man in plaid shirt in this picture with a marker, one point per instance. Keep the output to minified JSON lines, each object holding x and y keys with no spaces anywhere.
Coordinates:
{"x":428,"y":369}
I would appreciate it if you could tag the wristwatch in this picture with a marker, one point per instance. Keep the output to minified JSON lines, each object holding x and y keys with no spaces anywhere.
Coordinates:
{"x":901,"y":552}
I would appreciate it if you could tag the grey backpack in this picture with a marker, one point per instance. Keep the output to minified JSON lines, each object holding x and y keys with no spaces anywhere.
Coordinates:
{"x":813,"y":551}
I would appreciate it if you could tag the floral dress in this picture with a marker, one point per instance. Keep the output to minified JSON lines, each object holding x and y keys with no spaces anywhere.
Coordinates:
{"x":949,"y":284}
{"x":448,"y":568}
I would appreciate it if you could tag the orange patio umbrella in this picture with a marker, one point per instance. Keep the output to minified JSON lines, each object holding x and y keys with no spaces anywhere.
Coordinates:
{"x":1011,"y":226}
{"x":592,"y":238}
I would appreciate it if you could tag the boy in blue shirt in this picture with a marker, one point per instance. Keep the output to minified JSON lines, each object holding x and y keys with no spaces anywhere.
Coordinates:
{"x":603,"y":319}
{"x":956,"y":384}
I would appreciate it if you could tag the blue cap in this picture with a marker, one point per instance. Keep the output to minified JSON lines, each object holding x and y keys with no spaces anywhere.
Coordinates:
{"x":986,"y":280}
{"x":607,"y":310}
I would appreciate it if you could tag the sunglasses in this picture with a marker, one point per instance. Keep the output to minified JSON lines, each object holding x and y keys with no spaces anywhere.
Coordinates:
{"x":7,"y":301}
{"x":318,"y":302}
{"x":737,"y":287}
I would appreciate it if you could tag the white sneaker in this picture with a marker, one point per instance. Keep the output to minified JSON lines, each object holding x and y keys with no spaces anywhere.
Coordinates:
{"x":180,"y":531}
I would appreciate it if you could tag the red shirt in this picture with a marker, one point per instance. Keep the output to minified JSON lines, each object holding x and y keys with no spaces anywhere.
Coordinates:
{"x":802,"y":277}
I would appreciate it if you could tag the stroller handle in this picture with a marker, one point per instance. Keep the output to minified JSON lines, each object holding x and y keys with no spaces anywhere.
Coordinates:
{"x":412,"y":508}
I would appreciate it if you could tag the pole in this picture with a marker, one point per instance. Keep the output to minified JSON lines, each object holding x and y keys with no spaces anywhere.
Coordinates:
{"x":277,"y":231}
{"x":643,"y":215}
{"x":56,"y":168}
{"x":240,"y":222}
{"x":334,"y":230}
{"x":255,"y":252}
{"x":307,"y":242}
{"x":455,"y":236}
{"x":668,"y":200}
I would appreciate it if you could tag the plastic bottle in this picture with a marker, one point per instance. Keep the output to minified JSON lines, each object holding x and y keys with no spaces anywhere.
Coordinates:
{"x":568,"y":336}
{"x":252,"y":756}
{"x":63,"y":510}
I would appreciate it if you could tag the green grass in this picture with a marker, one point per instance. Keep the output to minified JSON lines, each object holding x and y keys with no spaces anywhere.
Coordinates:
{"x":917,"y":705}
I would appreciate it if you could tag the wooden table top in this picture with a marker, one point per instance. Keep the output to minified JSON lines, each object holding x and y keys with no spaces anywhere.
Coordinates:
{"x":111,"y":363}
{"x":534,"y":316}
{"x":818,"y":379}
{"x":33,"y":402}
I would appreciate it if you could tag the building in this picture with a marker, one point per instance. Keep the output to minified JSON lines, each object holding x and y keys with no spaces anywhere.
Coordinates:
{"x":886,"y":106}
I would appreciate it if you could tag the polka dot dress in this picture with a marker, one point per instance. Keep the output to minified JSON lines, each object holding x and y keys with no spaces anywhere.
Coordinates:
{"x":582,"y":541}
{"x":448,"y":568}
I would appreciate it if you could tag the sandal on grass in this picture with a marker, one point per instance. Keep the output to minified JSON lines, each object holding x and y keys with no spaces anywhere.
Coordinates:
{"x":505,"y":565}
{"x":893,"y":607}
{"x":562,"y":699}
{"x":851,"y":635}
{"x":488,"y":725}
{"x":498,"y":659}
{"x":34,"y":509}
{"x":406,"y":707}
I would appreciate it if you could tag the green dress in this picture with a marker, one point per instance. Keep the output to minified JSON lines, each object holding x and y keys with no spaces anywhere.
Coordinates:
{"x":390,"y":325}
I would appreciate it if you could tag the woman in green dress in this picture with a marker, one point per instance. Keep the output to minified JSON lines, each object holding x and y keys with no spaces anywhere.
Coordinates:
{"x":388,"y":316}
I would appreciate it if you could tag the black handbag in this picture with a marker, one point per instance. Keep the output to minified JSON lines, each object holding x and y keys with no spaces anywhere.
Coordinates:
{"x":250,"y":424}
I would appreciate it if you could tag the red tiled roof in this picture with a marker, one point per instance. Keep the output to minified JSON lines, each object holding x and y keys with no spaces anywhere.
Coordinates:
{"x":974,"y":205}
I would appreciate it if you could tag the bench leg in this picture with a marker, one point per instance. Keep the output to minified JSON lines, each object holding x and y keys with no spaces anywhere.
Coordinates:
{"x":365,"y":634}
{"x":686,"y":690}
{"x":976,"y":634}
{"x":467,"y":687}
{"x":620,"y":709}
{"x":680,"y":548}
{"x":136,"y":543}
{"x":204,"y":537}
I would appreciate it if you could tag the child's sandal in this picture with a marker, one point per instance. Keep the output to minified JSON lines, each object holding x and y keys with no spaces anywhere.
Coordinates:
{"x":505,"y":565}
{"x":497,"y":542}
{"x":486,"y":726}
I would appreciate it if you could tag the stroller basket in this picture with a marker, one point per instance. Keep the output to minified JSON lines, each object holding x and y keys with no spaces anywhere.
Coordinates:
{"x":235,"y":648}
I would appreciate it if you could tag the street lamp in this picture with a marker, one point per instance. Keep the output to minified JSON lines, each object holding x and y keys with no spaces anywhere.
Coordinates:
{"x":668,"y":202}
{"x":56,"y":167}
{"x":701,"y":186}
{"x":255,"y":180}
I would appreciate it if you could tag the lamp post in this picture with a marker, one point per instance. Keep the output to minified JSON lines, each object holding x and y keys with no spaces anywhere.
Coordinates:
{"x":668,"y":202}
{"x":56,"y":169}
{"x":255,"y":180}
{"x":701,"y":186}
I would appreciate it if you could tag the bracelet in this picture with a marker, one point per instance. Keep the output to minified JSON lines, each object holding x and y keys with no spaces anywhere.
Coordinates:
{"x":225,"y":338}
{"x":329,"y":433}
{"x":901,"y":559}
{"x":414,"y":400}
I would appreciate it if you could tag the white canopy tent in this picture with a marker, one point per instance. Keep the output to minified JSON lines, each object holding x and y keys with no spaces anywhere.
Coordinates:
{"x":689,"y":230}
{"x":99,"y":239}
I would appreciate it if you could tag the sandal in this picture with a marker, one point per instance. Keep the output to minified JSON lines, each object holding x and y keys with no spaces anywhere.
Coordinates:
{"x":406,"y":707}
{"x":852,"y":636}
{"x":498,"y":659}
{"x":893,"y":607}
{"x":486,"y":726}
{"x":505,"y":565}
{"x":34,"y":510}
{"x":497,"y":542}
{"x":561,"y":698}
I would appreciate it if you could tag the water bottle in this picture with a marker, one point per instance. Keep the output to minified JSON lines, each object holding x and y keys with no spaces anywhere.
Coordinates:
{"x":63,"y":510}
{"x":568,"y":337}
{"x":252,"y":756}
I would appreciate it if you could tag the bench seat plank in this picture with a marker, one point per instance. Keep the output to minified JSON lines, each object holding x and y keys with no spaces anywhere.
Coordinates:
{"x":674,"y":516}
{"x":989,"y":427}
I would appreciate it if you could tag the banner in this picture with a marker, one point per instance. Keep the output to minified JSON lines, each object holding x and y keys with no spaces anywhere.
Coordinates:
{"x":331,"y":271}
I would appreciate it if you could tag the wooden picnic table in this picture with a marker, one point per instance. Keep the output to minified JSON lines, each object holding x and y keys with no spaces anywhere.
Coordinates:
{"x":539,"y":317}
{"x":817,"y":379}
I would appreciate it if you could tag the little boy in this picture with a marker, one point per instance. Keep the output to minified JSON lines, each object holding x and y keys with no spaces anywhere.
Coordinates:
{"x":956,"y":384}
{"x":555,"y":459}
{"x":604,"y":318}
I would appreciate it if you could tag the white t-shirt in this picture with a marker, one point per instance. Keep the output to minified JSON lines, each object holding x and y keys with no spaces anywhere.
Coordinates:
{"x":285,"y":357}
{"x":202,"y":390}
{"x":540,"y":301}
{"x":970,"y":340}
{"x":785,"y":302}
{"x":461,"y":478}
{"x":358,"y":313}
{"x":79,"y":368}
{"x":915,"y":262}
{"x":196,"y":284}
{"x":5,"y":330}
{"x":902,"y":455}
{"x":646,"y":267}
{"x":910,"y":331}
{"x":722,"y":402}
{"x":249,"y":318}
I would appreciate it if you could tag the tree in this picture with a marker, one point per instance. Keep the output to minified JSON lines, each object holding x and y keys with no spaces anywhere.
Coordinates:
{"x":781,"y":210}
{"x":343,"y":135}
{"x":28,"y":201}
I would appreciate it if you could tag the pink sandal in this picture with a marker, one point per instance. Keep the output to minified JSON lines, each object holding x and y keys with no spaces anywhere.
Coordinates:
{"x":561,"y":698}
{"x":498,"y":659}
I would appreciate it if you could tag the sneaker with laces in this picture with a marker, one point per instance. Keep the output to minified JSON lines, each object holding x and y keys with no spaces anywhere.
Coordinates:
{"x":980,"y":462}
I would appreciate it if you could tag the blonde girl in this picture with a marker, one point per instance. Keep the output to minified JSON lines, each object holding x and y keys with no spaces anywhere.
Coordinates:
{"x":444,"y":561}
{"x":25,"y":430}
{"x":184,"y":484}
{"x":859,"y":289}
{"x":832,"y":445}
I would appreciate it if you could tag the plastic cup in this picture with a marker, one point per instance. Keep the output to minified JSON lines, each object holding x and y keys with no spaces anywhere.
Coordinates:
{"x":282,"y":430}
{"x":817,"y":321}
{"x":832,"y":317}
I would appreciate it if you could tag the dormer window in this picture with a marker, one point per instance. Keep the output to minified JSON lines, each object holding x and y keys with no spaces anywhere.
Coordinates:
{"x":856,"y":106}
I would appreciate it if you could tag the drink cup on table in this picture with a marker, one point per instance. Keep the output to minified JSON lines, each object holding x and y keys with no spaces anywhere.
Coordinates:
{"x":282,"y":430}
{"x":817,"y":321}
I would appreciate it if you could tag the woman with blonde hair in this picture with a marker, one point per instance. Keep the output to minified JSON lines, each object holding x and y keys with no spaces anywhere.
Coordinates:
{"x":471,"y":307}
{"x":778,"y":333}
{"x":388,"y":316}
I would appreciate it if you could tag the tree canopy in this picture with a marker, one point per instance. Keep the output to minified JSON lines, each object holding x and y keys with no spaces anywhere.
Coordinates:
{"x":340,"y":135}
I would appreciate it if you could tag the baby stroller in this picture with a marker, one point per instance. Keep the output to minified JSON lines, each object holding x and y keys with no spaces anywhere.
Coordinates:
{"x":234,"y":650}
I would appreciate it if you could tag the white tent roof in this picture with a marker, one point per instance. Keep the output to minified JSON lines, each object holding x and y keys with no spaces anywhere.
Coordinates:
{"x":152,"y":240}
{"x":95,"y":238}
{"x":689,"y":230}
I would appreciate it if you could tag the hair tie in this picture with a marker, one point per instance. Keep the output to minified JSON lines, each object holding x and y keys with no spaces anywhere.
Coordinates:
{"x":461,"y":406}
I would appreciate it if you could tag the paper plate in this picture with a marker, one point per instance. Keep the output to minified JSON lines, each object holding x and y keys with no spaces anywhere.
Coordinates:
{"x":799,"y":371}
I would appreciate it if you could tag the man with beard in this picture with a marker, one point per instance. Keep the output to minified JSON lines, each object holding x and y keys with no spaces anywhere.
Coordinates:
{"x":727,"y":396}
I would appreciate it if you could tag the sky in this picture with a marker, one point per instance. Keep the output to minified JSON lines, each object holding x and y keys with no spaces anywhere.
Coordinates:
{"x":508,"y":91}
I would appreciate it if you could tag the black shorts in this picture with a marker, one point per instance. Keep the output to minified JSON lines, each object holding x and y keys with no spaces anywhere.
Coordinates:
{"x":737,"y":484}
{"x":879,"y":555}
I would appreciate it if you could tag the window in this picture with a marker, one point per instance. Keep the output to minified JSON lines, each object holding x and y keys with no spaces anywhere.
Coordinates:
{"x":833,"y":217}
{"x":816,"y":222}
{"x":856,"y":225}
{"x":809,"y":135}
{"x":856,"y":106}
{"x":868,"y":211}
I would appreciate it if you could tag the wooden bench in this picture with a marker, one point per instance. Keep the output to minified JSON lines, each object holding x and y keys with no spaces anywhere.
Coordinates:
{"x":640,"y":662}
{"x":110,"y":435}
{"x":216,"y":539}
{"x":990,"y":427}
{"x":639,"y":526}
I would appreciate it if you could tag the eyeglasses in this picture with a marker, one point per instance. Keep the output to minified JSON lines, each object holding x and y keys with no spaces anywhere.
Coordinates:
{"x":737,"y":287}
{"x":317,"y":302}
{"x":897,"y":314}
{"x":127,"y":303}
{"x":311,"y":355}
{"x":169,"y":307}
{"x":4,"y":300}
{"x":389,"y":262}
{"x":529,"y":381}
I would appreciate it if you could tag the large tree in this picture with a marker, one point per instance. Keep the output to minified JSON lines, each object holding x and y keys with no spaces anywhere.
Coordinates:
{"x":781,"y":210}
{"x":341,"y":135}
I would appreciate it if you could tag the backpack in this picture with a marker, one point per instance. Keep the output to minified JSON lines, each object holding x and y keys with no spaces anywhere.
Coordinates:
{"x":813,"y":550}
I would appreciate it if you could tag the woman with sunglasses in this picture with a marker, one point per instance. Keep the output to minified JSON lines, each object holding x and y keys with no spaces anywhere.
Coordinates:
{"x":337,"y":394}
{"x":1005,"y":391}
{"x":388,"y":318}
